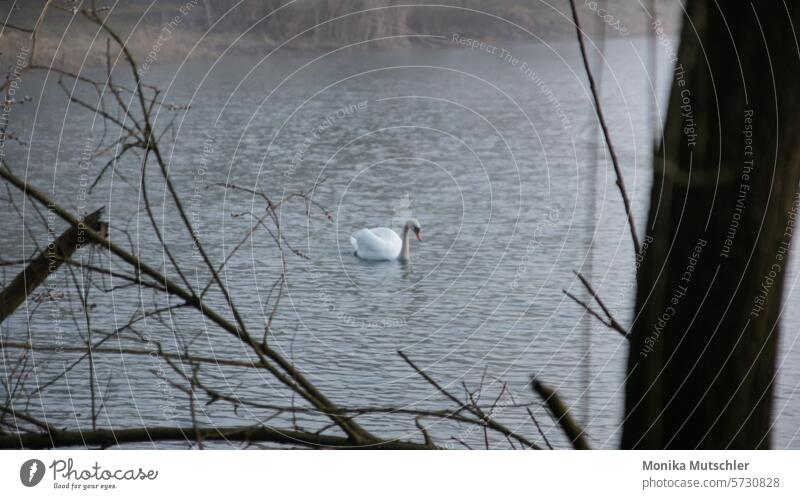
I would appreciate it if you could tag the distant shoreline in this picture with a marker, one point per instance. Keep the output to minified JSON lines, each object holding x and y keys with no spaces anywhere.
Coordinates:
{"x":177,"y":30}
{"x":73,"y":55}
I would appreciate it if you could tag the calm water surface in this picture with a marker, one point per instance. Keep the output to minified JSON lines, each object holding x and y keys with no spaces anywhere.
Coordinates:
{"x":501,"y":163}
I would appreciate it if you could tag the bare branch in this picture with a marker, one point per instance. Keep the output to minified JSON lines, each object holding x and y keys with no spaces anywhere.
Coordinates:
{"x":474,"y":409}
{"x":111,"y":437}
{"x":571,"y":428}
{"x":46,"y":263}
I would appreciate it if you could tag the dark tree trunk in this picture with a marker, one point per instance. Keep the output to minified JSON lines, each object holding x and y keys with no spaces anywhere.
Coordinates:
{"x":702,"y":354}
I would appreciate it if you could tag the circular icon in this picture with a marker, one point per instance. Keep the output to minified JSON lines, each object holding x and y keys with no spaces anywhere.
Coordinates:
{"x":31,"y":472}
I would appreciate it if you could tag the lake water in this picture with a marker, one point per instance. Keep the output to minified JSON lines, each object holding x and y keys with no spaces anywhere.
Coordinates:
{"x":502,"y":163}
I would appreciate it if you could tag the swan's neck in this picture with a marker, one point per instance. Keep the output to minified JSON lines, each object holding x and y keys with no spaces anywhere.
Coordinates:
{"x":405,"y":251}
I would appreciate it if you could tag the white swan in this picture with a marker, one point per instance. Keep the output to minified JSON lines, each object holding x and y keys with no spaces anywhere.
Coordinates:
{"x":382,"y":243}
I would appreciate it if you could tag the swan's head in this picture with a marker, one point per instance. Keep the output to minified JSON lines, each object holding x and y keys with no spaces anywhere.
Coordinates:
{"x":413,"y":224}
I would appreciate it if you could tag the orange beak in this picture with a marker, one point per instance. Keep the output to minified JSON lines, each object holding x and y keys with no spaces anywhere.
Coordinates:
{"x":419,"y":235}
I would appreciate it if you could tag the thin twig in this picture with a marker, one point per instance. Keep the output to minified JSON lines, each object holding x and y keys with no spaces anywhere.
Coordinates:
{"x":491,"y":423}
{"x":539,"y":428}
{"x":606,"y":134}
{"x":610,"y":321}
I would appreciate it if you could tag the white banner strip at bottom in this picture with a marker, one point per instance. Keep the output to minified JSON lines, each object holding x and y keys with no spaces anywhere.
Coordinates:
{"x":389,"y":474}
